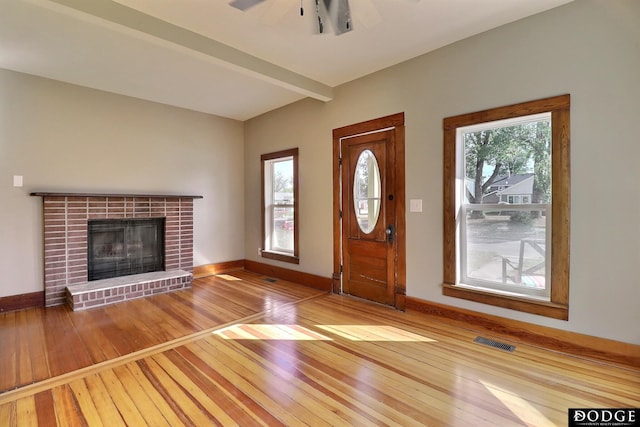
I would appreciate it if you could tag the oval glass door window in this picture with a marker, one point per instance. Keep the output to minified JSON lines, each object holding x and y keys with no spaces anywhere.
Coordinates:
{"x":366,"y":191}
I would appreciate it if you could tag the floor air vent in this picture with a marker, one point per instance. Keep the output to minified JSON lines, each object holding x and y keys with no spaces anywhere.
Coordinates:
{"x":270,"y":279}
{"x":491,"y":343}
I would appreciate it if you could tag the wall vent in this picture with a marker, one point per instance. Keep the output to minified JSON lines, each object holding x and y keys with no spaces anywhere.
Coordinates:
{"x":496,"y":344}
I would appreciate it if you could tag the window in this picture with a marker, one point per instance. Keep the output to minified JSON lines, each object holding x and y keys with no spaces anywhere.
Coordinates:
{"x":509,"y":247}
{"x":280,"y":203}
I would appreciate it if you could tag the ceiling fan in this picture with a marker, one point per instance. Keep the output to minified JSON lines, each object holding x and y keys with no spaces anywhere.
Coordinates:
{"x":337,"y":12}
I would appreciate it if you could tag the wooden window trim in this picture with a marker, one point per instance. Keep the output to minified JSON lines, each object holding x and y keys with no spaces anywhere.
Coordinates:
{"x":558,"y":306}
{"x":279,"y":256}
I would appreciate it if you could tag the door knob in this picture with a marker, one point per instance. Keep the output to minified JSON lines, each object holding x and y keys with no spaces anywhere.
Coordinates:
{"x":389,"y":232}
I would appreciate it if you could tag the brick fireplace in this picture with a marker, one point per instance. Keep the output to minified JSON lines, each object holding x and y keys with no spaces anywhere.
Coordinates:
{"x":66,"y":219}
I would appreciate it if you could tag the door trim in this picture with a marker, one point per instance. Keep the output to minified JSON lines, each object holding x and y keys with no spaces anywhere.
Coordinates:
{"x":395,"y":121}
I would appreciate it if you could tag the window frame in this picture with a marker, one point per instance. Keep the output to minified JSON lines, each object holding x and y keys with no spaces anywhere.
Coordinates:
{"x":558,"y":305}
{"x":266,"y":252}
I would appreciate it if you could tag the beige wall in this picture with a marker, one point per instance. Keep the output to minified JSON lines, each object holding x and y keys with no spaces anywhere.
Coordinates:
{"x":588,"y":48}
{"x":61,"y":137}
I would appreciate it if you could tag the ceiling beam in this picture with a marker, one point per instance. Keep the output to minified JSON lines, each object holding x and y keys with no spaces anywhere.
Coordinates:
{"x":125,"y":19}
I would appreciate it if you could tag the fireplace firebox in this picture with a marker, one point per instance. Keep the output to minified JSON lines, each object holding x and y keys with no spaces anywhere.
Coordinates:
{"x":122,"y":247}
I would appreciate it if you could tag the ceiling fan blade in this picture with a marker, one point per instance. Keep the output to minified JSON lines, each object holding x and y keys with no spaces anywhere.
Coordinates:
{"x":339,"y":15}
{"x":244,"y":4}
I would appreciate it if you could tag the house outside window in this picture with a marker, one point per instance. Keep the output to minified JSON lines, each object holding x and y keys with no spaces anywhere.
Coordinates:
{"x":506,"y":210}
{"x":280,"y":205}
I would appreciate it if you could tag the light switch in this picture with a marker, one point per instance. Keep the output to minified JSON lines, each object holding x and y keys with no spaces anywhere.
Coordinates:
{"x":17,"y":180}
{"x":415,"y":205}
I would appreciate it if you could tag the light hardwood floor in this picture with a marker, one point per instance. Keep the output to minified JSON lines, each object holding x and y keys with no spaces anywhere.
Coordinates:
{"x":239,"y":350}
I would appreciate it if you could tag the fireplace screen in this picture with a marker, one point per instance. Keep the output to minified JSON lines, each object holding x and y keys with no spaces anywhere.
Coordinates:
{"x":121,"y":247}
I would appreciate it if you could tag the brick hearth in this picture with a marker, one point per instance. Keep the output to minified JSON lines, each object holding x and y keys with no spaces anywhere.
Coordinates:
{"x":109,"y":291}
{"x":65,"y":243}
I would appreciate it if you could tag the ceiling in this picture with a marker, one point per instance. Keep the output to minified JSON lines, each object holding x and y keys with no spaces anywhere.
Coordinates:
{"x":207,"y":56}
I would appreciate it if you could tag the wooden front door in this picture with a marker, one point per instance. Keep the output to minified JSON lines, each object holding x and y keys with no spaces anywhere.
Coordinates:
{"x":371,"y":201}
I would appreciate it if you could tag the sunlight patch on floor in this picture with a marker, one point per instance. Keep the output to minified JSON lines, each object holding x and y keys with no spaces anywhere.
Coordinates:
{"x":270,"y":332}
{"x":228,"y":277}
{"x":374,"y":333}
{"x":380,"y":333}
{"x":519,"y":406}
